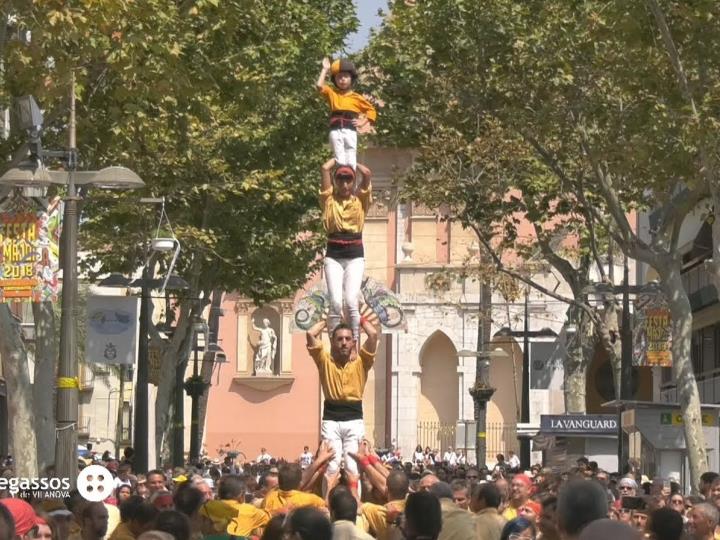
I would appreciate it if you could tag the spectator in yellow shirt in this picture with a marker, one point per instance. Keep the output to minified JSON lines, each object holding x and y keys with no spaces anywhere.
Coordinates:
{"x":231,"y":513}
{"x":377,"y":518}
{"x":287,"y":496}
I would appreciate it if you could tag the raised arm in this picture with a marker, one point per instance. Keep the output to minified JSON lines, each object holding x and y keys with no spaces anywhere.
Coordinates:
{"x":366,"y":176}
{"x":324,"y":454}
{"x":323,"y":73}
{"x":326,"y":171}
{"x":371,"y":341}
{"x":313,"y":335}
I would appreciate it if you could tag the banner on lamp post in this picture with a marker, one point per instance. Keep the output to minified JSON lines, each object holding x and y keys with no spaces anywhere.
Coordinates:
{"x":652,"y":331}
{"x":29,"y":256}
{"x":112,"y":329}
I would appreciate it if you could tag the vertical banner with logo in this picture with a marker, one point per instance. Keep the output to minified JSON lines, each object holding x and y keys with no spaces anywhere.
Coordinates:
{"x":112,"y":329}
{"x":29,"y":237}
{"x":652,"y":331}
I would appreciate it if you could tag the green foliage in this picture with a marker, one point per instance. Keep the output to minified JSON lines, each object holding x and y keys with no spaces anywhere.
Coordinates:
{"x":212,"y":104}
{"x":520,"y":107}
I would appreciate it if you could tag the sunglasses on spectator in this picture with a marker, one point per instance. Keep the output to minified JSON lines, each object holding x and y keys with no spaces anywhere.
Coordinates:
{"x":625,"y":487}
{"x":519,"y":536}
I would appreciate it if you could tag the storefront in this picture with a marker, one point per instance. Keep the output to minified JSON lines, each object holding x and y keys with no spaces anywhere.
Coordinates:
{"x":657,"y":439}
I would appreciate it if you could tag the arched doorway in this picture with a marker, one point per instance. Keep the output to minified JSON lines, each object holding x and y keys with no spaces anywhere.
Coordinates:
{"x":438,"y":395}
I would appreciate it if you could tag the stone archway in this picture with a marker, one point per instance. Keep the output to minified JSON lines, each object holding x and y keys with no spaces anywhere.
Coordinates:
{"x":438,"y":409}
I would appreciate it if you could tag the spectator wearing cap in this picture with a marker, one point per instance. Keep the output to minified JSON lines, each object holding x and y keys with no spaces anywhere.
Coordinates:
{"x":24,"y":517}
{"x":627,"y":487}
{"x":519,"y":495}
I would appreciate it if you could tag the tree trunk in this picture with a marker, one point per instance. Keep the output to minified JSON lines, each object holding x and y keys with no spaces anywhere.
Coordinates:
{"x":579,"y":351}
{"x":208,"y":364}
{"x":173,"y":354}
{"x":608,"y":335}
{"x":23,"y":443}
{"x":683,"y":373}
{"x":46,"y":355}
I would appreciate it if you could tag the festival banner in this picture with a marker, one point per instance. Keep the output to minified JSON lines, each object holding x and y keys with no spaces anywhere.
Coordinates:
{"x":652,"y":331}
{"x":29,"y":237}
{"x":112,"y":329}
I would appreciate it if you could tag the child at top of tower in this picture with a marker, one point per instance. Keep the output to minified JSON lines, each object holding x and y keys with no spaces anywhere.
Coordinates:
{"x":350,"y":112}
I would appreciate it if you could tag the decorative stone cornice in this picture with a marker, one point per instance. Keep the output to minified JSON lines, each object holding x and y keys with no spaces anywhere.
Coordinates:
{"x":263,"y":383}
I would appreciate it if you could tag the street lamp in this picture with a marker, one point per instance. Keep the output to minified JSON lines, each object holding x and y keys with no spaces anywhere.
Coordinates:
{"x":481,"y":393}
{"x":34,"y":173}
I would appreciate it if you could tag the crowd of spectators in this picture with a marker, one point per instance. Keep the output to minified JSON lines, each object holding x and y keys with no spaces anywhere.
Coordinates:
{"x":418,"y":499}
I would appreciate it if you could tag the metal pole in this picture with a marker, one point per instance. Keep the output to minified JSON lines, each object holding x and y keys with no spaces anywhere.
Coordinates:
{"x":141,"y":435}
{"x":525,"y":401}
{"x":481,"y":391}
{"x":625,"y":365}
{"x":195,"y":414}
{"x":179,"y":417}
{"x":67,"y":381}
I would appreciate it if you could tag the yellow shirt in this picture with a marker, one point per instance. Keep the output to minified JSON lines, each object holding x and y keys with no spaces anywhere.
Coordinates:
{"x":348,"y":101}
{"x":278,"y":499}
{"x":510,"y":513}
{"x":374,"y":517}
{"x":345,"y":215}
{"x":342,"y":383}
{"x":233,"y":517}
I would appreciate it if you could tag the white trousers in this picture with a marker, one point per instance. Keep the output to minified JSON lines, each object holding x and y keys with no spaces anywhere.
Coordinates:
{"x":344,"y":437}
{"x":344,"y":144}
{"x":344,"y":279}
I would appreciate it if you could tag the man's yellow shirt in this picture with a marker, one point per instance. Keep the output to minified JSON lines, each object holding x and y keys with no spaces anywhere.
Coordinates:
{"x":374,"y":517}
{"x":277,"y":499}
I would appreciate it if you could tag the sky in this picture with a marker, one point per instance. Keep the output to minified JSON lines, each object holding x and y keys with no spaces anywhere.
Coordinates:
{"x":367,"y":13}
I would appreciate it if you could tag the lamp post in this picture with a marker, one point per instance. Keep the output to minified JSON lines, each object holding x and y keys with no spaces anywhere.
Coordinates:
{"x":525,"y":401}
{"x":195,"y":388}
{"x":32,"y":173}
{"x":481,"y":391}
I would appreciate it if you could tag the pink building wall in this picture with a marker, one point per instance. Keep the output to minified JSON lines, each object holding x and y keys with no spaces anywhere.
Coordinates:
{"x":282,"y":420}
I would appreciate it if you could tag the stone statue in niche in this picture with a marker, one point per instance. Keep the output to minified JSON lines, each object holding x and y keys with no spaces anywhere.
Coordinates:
{"x":266,"y":348}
